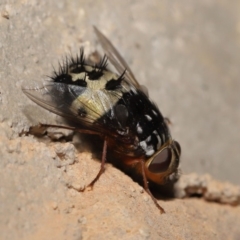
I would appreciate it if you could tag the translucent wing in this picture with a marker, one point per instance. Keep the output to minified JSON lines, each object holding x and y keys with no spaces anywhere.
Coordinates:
{"x":65,"y":100}
{"x":116,"y":59}
{"x":94,"y":110}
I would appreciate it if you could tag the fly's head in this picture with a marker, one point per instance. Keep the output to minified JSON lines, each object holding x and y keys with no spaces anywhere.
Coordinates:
{"x":164,"y":162}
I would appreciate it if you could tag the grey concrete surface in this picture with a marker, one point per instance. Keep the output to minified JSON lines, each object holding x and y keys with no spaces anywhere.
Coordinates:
{"x":187,"y":53}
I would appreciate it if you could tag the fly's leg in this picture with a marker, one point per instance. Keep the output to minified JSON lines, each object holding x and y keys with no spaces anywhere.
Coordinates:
{"x":147,"y":189}
{"x":104,"y":153}
{"x":102,"y":168}
{"x":75,"y":129}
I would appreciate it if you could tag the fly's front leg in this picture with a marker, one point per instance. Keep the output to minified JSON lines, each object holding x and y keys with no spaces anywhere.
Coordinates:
{"x":147,"y":188}
{"x":102,"y":168}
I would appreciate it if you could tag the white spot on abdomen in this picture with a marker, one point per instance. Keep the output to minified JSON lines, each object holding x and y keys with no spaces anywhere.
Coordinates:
{"x":148,"y":117}
{"x":139,"y":129}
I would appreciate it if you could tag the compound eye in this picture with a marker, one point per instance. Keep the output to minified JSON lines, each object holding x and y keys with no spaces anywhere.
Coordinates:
{"x":161,"y":162}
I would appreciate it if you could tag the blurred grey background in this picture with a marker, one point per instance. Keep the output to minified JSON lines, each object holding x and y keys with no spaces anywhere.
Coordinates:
{"x":186,"y":52}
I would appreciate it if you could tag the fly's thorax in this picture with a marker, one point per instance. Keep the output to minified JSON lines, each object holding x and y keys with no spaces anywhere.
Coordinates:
{"x":98,"y":91}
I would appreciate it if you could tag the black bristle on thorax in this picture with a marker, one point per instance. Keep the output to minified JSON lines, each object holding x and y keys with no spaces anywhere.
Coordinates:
{"x":115,"y":84}
{"x":78,"y":65}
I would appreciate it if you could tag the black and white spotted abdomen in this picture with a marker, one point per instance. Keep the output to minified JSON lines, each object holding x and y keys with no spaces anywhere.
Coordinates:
{"x":138,"y":121}
{"x":149,"y":125}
